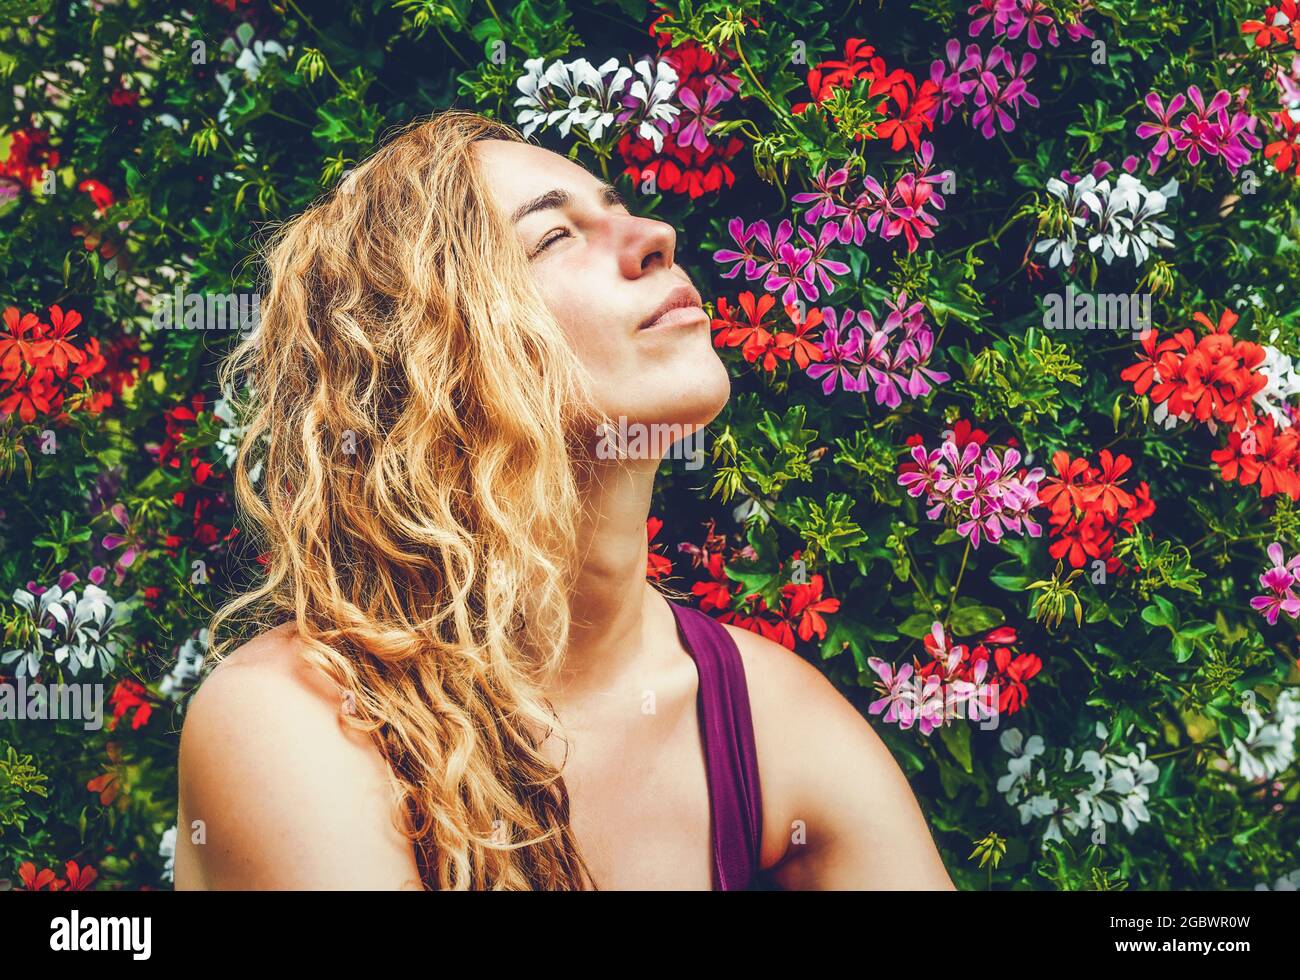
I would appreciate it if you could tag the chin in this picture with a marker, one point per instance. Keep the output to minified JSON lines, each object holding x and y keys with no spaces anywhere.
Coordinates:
{"x":697,"y":395}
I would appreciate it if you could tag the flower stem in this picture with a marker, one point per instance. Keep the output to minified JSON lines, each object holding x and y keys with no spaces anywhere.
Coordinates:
{"x":961,"y":572}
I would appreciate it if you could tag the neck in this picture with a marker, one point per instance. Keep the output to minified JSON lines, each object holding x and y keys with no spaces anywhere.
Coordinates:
{"x":610,"y":595}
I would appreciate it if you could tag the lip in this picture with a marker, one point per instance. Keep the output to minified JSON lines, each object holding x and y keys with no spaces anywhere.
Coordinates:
{"x":682,"y":305}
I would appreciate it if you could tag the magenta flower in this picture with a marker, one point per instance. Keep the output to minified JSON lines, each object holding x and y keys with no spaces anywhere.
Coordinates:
{"x":877,"y":204}
{"x":819,"y":265}
{"x":745,"y":258}
{"x":898,"y":696}
{"x":826,"y":196}
{"x":911,"y":218}
{"x":951,"y":79}
{"x":756,"y":265}
{"x":993,"y":99}
{"x":841,"y":360}
{"x":921,"y":479}
{"x":1199,"y":132}
{"x":1164,"y":128}
{"x":698,"y":117}
{"x":791,"y":272}
{"x":985,"y":498}
{"x":1278,"y":580}
{"x":114,"y":541}
{"x":986,"y":12}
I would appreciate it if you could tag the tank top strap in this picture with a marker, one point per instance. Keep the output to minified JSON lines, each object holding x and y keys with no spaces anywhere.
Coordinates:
{"x":727,"y":728}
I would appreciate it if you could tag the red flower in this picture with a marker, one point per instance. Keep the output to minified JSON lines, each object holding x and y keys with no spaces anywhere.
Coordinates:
{"x":34,"y":881}
{"x":1061,"y":492}
{"x":963,"y":432}
{"x":731,"y":331}
{"x":130,"y":695}
{"x":1012,"y":674}
{"x":800,"y":344}
{"x":714,"y":593}
{"x":1106,"y":492}
{"x":15,"y":346}
{"x":1267,"y":32}
{"x":656,"y":565}
{"x":29,"y":157}
{"x":79,"y":879}
{"x":1088,"y":506}
{"x":99,"y":194}
{"x":684,"y":169}
{"x":1002,"y":636}
{"x":106,"y":786}
{"x":912,"y":109}
{"x":1143,"y":373}
{"x":805,"y":603}
{"x":1287,"y":149}
{"x":56,"y":347}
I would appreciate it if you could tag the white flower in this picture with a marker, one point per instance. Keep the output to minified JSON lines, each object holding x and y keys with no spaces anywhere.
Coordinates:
{"x":1119,"y":792}
{"x":652,"y":89}
{"x":53,"y":604}
{"x":1114,"y":221}
{"x":1283,"y":384}
{"x":1269,"y":746}
{"x":80,"y":634}
{"x":231,"y":435}
{"x":599,"y":101}
{"x":1020,"y":766}
{"x":188,"y":667}
{"x":167,"y":849}
{"x":252,"y":55}
{"x":1113,"y":227}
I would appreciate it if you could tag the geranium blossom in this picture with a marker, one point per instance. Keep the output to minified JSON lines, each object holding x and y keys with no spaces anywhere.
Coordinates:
{"x":983,"y":496}
{"x":1206,"y":128}
{"x":1088,"y":505}
{"x":1278,"y":580}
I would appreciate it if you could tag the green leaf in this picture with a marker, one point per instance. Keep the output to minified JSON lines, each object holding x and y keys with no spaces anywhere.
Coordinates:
{"x":917,"y":625}
{"x":969,"y":620}
{"x":956,"y":736}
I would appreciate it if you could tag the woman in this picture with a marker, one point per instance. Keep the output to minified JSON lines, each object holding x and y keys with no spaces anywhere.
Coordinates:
{"x":462,"y":678}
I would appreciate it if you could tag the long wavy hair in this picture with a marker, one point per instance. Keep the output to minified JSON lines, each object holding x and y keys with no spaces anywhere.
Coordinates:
{"x":410,"y":471}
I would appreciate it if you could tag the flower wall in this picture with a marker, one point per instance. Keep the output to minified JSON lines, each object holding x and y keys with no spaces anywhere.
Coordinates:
{"x":1006,"y":288}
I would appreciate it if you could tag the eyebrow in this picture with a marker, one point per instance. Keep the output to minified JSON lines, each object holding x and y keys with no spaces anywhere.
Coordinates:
{"x":557,"y":198}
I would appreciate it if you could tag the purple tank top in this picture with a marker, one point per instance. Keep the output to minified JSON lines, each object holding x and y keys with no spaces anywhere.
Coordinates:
{"x":727,"y":730}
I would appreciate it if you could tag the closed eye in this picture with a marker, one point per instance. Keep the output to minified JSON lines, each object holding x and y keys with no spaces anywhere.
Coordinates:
{"x":558,"y":198}
{"x":550,"y":240}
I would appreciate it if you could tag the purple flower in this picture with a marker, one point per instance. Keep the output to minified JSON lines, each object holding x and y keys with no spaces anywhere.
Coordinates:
{"x":898,"y":697}
{"x":840,"y":358}
{"x":1278,"y":580}
{"x":694,"y":132}
{"x":984,"y":498}
{"x":826,"y":196}
{"x":1164,"y":128}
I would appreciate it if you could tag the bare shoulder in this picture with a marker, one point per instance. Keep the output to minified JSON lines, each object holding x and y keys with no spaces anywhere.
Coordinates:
{"x":276,"y":791}
{"x":838,"y":811}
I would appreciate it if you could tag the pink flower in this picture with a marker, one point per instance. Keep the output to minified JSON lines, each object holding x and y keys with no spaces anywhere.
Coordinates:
{"x":841,"y":360}
{"x":898,"y":697}
{"x":1278,"y":580}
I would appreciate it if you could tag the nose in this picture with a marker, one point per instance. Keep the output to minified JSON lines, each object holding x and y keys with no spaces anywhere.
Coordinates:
{"x":650,"y":244}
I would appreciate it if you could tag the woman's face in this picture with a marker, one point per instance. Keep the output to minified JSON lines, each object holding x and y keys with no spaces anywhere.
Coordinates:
{"x":606,"y":275}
